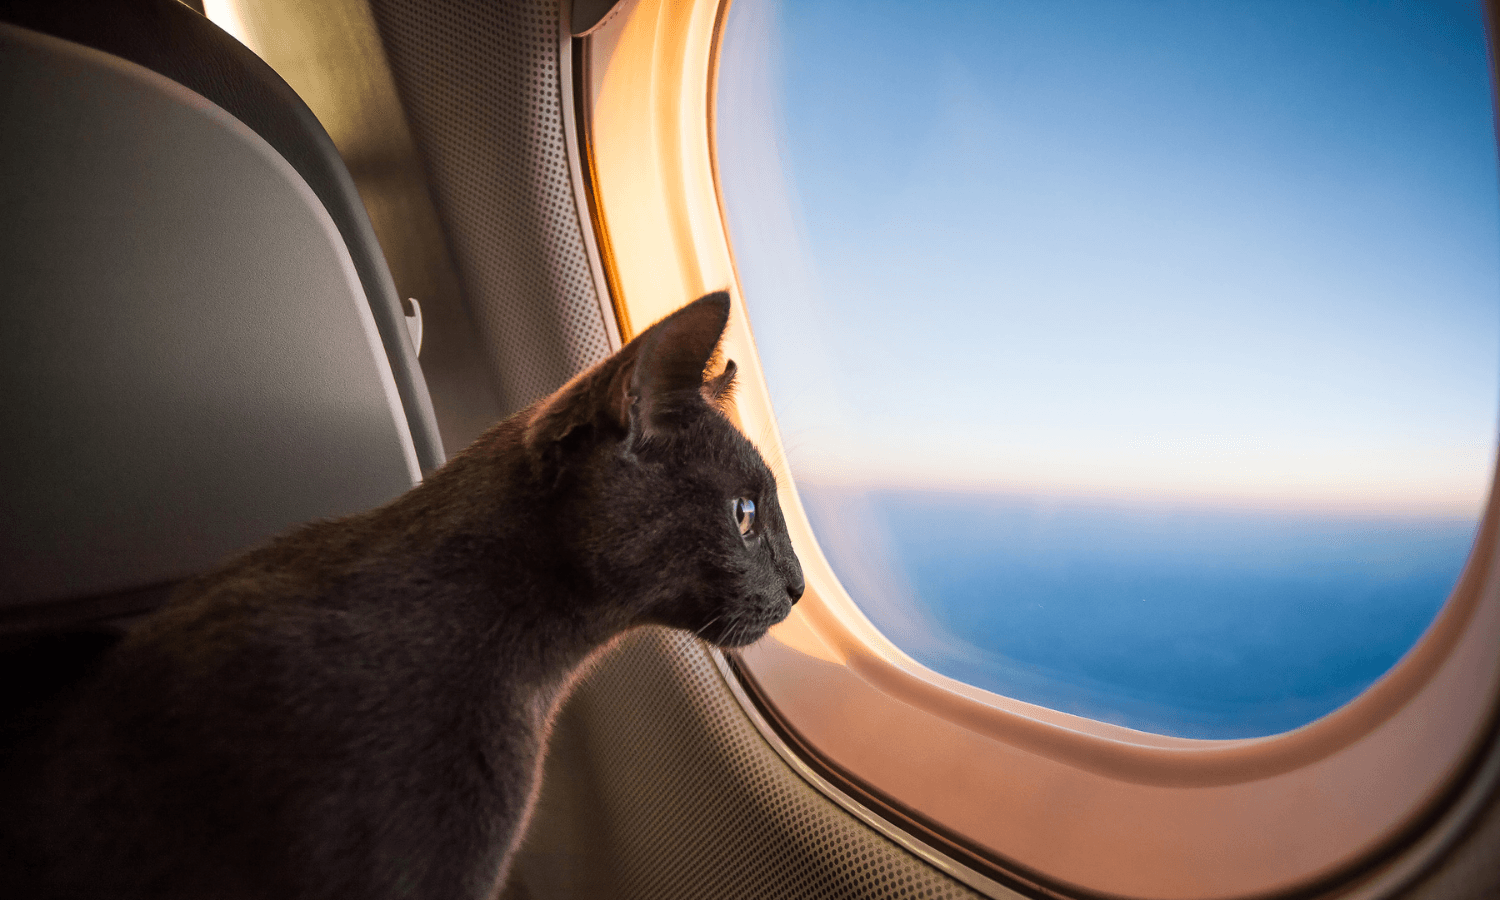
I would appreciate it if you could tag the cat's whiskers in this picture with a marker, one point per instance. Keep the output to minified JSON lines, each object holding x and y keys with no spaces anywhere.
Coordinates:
{"x":738,"y":631}
{"x":705,"y":625}
{"x":774,"y":455}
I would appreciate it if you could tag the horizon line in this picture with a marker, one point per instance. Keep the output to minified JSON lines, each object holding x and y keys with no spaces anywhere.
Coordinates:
{"x":1382,"y":507}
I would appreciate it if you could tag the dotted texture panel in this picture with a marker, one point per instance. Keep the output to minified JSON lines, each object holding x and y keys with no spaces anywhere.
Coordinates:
{"x":658,"y":786}
{"x":480,"y":83}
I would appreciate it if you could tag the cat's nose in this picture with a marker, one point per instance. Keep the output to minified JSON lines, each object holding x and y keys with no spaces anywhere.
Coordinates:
{"x":795,"y":587}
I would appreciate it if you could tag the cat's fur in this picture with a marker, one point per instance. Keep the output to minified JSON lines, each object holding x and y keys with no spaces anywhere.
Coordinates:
{"x":359,"y":709}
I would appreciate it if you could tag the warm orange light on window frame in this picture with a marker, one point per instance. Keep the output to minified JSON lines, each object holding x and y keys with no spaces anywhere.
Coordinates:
{"x":1063,"y":802}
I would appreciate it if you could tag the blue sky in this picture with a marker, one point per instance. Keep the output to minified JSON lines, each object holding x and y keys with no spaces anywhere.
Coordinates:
{"x":1245,"y":253}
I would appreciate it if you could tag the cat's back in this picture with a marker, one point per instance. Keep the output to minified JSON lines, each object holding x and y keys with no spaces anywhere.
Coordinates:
{"x":269,"y":732}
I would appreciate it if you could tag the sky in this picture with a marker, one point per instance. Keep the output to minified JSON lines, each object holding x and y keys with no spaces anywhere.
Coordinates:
{"x":1245,"y":253}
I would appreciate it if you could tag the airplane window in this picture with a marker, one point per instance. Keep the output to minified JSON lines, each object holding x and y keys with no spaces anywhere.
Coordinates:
{"x":1135,"y":359}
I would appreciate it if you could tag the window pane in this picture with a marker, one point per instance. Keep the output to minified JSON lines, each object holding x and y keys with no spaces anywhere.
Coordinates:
{"x":1133,"y":358}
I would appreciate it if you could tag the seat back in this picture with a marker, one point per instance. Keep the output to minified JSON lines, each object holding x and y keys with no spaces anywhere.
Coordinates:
{"x":202,"y":345}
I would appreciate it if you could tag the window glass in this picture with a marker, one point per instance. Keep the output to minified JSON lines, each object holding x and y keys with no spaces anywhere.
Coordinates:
{"x":1138,"y":359}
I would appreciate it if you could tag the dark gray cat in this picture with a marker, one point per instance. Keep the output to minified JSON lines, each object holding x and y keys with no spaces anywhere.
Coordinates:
{"x":359,"y":709}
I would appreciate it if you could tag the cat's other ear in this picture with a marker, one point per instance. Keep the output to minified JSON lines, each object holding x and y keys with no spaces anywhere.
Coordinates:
{"x":718,"y":391}
{"x":667,"y":378}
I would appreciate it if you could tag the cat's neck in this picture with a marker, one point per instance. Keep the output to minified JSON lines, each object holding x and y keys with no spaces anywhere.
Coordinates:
{"x":472,"y":563}
{"x":479,"y":536}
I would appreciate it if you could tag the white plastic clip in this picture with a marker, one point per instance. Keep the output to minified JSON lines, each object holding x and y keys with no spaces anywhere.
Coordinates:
{"x":414,"y":324}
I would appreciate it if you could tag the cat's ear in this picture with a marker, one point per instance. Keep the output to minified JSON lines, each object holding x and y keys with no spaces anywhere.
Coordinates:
{"x":667,"y":377}
{"x":719,"y":390}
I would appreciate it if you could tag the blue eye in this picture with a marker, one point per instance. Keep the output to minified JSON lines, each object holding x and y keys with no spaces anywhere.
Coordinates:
{"x":744,"y":515}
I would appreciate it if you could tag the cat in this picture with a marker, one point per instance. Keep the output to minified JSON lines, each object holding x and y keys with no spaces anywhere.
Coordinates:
{"x":359,"y":708}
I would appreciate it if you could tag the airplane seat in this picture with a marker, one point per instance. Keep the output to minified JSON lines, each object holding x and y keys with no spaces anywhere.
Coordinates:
{"x":174,"y":41}
{"x":202,"y":345}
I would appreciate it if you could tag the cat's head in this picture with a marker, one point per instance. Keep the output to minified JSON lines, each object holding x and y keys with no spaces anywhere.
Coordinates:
{"x":674,"y":511}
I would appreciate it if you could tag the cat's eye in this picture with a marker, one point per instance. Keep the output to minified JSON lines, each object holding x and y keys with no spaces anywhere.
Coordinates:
{"x":744,"y":515}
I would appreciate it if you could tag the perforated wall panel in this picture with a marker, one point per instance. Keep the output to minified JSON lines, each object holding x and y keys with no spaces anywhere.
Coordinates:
{"x":658,"y":786}
{"x":480,"y":83}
